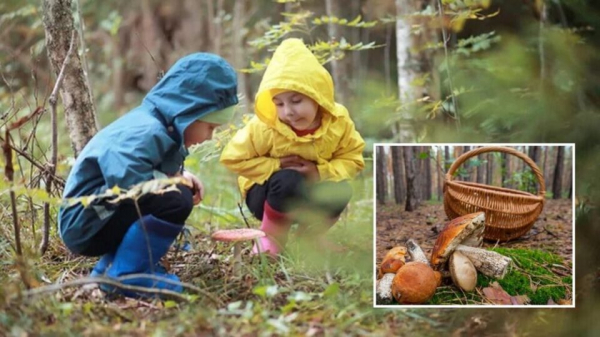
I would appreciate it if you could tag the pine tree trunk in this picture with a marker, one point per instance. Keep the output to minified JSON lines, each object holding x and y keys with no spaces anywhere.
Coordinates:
{"x":446,"y":159}
{"x":381,"y":176}
{"x":411,"y":189}
{"x":440,"y":174}
{"x":428,"y":176}
{"x":558,"y":173}
{"x":467,"y":165}
{"x":505,"y":170}
{"x":490,"y":170}
{"x":480,"y":169}
{"x":80,"y":113}
{"x":398,"y":171}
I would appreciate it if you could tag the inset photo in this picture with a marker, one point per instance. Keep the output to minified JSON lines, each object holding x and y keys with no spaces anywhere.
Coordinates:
{"x":474,"y":225}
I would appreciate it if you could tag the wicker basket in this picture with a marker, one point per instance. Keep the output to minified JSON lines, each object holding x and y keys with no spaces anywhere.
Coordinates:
{"x":508,"y":213}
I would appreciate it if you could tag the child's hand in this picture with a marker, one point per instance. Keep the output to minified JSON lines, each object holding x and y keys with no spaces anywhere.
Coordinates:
{"x":306,"y":167}
{"x":197,"y":189}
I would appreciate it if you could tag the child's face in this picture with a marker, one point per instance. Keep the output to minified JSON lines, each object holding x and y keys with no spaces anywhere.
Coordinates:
{"x":297,"y":110}
{"x":198,"y":132}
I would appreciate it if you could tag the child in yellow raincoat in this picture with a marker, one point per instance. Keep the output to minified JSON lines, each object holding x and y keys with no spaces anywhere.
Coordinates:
{"x":299,"y":142}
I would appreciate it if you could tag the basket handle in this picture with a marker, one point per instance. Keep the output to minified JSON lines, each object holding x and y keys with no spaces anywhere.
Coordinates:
{"x":465,"y":156}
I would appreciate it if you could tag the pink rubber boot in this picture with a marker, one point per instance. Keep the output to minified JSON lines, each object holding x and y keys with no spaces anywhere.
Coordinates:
{"x":276,"y":225}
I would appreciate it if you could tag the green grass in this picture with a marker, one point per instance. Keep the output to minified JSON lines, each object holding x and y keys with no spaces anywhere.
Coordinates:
{"x":530,"y":275}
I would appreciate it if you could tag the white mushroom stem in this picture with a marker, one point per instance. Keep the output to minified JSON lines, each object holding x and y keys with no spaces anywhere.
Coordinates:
{"x":489,"y":263}
{"x":384,"y":287}
{"x":416,"y":253}
{"x":237,"y":257}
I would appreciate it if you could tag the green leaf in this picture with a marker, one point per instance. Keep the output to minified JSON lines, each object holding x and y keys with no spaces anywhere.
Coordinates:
{"x":170,"y":304}
{"x":332,"y":290}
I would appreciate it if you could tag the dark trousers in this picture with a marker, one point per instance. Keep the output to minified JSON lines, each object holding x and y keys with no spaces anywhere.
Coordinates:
{"x":174,"y":207}
{"x":287,"y":190}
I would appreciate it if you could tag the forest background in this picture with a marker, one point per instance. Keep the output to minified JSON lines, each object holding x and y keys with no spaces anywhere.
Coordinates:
{"x":408,"y":70}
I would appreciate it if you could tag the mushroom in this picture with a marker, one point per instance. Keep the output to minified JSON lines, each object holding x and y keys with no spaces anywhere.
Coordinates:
{"x":414,"y":283}
{"x":393,"y":260}
{"x":237,"y":236}
{"x":463,"y":230}
{"x":383,"y":289}
{"x":463,"y":272}
{"x":416,"y":253}
{"x":454,"y":233}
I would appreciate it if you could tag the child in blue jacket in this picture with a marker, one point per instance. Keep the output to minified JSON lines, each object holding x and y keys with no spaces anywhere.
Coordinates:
{"x":195,"y":96}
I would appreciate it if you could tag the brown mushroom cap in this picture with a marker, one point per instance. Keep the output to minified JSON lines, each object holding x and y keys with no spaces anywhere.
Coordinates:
{"x":396,"y":252}
{"x":393,"y":260}
{"x":414,"y":283}
{"x":241,"y":234}
{"x":453,"y":234}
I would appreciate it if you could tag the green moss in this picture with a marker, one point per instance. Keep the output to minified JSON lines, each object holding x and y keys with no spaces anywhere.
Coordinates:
{"x":532,"y":276}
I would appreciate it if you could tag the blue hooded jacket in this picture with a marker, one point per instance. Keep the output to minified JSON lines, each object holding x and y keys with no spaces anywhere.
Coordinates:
{"x":147,"y":140}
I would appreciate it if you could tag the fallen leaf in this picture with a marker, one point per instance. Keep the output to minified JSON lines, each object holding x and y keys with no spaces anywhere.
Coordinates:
{"x":519,"y":299}
{"x":496,"y":294}
{"x":564,"y":301}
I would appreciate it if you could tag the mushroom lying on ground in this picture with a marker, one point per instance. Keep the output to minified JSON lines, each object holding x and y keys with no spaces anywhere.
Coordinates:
{"x":383,"y":289}
{"x":463,"y":272}
{"x":414,"y":283}
{"x":393,"y":260}
{"x":462,"y":230}
{"x":416,"y":253}
{"x":237,"y":236}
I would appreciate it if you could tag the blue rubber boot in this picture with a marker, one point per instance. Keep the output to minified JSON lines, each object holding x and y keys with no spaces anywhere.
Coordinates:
{"x":102,"y":265}
{"x":144,"y":244}
{"x":107,"y":259}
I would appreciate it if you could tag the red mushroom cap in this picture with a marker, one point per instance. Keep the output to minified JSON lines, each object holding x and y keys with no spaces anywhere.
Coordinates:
{"x":241,"y":234}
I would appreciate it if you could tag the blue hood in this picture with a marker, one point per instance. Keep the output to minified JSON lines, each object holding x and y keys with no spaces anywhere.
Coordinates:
{"x":196,"y":85}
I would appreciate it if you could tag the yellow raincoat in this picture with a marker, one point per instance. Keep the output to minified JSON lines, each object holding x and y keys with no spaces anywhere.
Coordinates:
{"x":336,"y":147}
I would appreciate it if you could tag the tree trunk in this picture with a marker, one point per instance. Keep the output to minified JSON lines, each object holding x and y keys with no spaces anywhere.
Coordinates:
{"x":398,"y":171}
{"x":440,"y":173}
{"x":239,"y":21}
{"x":428,"y":178}
{"x":381,"y":176}
{"x":480,"y":169}
{"x":490,"y":170}
{"x":406,"y":65}
{"x":505,"y":171}
{"x":338,"y":71}
{"x":467,"y":165}
{"x":411,"y":189}
{"x":80,"y":113}
{"x":419,"y":175}
{"x":558,"y":172}
{"x":447,"y":163}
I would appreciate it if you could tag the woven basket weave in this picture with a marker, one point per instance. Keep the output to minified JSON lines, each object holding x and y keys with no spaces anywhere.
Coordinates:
{"x":508,"y":213}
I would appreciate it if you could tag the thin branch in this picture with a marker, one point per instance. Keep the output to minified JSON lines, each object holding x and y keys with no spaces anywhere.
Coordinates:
{"x":54,"y":157}
{"x":103,"y":280}
{"x":243,"y":215}
{"x":445,"y":36}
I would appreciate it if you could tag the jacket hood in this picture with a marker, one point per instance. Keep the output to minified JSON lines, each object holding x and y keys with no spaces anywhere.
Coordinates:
{"x":196,"y":85}
{"x":295,"y":68}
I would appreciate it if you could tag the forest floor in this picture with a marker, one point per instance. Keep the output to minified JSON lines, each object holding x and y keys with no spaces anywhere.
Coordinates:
{"x":552,"y":231}
{"x":542,"y":268}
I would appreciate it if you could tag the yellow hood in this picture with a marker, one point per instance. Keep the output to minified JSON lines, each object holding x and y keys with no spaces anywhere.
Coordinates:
{"x":294,"y":67}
